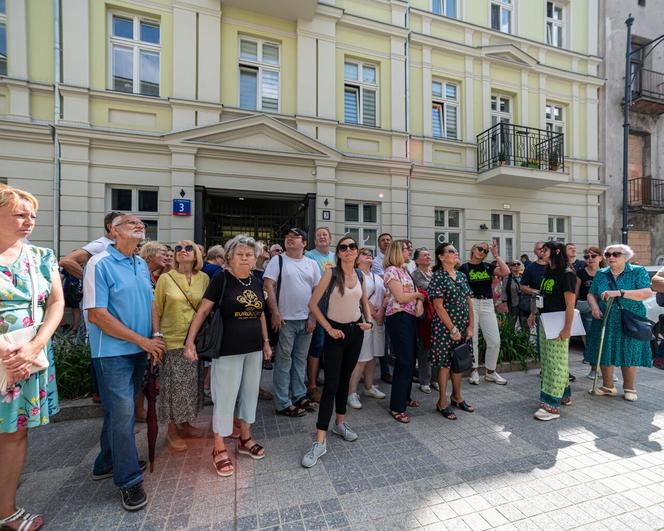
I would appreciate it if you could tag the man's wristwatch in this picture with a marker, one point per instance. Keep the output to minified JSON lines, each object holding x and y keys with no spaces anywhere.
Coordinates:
{"x":622,"y":292}
{"x":157,"y":334}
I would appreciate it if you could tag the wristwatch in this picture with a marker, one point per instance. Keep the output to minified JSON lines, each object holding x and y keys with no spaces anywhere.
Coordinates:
{"x":622,"y":292}
{"x":157,"y":334}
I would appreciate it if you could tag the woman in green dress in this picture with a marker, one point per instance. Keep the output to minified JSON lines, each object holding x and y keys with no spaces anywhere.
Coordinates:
{"x":30,"y":397}
{"x":629,"y":285}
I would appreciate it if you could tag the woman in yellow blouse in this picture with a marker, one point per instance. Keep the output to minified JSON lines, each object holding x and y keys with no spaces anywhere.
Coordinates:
{"x":177,"y":297}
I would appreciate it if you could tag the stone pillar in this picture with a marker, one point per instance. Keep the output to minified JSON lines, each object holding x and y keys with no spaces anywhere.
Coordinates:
{"x":184,"y":66}
{"x":75,"y":61}
{"x":17,"y":62}
{"x":80,"y":207}
{"x":209,"y":65}
{"x":326,"y":184}
{"x":183,"y":177}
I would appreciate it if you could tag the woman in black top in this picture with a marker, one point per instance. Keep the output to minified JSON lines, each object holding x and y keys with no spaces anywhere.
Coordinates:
{"x":584,"y":278}
{"x":235,"y":374}
{"x":480,"y":277}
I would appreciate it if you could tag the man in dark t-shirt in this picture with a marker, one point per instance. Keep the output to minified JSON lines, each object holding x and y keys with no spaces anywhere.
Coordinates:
{"x":532,"y":275}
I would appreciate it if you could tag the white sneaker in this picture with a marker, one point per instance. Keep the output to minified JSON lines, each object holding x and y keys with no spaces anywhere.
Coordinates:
{"x":591,"y":374}
{"x":435,"y":386}
{"x":543,"y":414}
{"x":344,"y":431}
{"x":374,"y":392}
{"x":354,"y":401}
{"x":316,"y":451}
{"x":425,"y":389}
{"x":495,"y":378}
{"x":474,"y":377}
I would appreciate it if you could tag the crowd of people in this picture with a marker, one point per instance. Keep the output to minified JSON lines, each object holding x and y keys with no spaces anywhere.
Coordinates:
{"x":331,"y":311}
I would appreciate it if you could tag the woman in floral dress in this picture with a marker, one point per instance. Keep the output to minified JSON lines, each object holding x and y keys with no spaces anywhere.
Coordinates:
{"x":30,"y":399}
{"x":452,"y":322}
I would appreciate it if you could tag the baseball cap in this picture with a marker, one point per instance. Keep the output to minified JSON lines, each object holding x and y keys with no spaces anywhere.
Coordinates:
{"x":299,"y":232}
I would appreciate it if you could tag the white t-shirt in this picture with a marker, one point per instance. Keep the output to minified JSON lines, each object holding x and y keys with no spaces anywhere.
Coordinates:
{"x":298,"y":279}
{"x":97,"y":246}
{"x":375,"y":289}
{"x":377,"y":266}
{"x":411,"y":266}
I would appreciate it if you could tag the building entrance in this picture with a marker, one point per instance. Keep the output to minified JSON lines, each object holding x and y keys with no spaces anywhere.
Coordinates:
{"x":263,"y":216}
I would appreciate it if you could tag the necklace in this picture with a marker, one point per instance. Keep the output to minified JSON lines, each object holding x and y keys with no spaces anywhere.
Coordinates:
{"x":242,"y":282}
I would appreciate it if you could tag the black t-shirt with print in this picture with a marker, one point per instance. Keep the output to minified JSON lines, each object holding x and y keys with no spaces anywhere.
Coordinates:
{"x":241,"y":308}
{"x":553,"y":287}
{"x":480,"y":277}
{"x":586,"y":281}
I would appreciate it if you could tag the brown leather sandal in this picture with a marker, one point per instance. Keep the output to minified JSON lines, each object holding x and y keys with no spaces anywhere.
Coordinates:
{"x":253,"y":452}
{"x":221,"y":464}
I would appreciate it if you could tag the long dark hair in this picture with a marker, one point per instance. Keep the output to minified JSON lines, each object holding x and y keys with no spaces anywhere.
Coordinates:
{"x":339,"y":281}
{"x":558,"y":258}
{"x":440,"y":250}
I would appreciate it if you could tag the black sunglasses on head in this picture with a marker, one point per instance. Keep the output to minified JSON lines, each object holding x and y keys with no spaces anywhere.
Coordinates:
{"x":180,"y":248}
{"x":346,"y":246}
{"x":615,"y":254}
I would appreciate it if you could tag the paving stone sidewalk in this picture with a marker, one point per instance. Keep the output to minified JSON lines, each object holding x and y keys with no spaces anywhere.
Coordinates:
{"x":601,"y":466}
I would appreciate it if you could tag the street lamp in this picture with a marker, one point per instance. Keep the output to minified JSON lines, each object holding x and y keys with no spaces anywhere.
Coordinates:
{"x":629,"y":79}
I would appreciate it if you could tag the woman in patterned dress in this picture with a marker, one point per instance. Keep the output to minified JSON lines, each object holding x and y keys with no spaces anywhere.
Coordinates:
{"x":30,"y":399}
{"x":629,"y":285}
{"x":452,"y":323}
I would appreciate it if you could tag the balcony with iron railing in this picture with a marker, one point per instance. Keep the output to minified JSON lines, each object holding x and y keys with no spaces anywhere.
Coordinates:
{"x":516,"y":155}
{"x":646,"y":194}
{"x":648,"y":91}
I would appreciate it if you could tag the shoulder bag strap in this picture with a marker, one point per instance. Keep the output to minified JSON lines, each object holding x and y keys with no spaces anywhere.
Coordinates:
{"x":34,"y":281}
{"x":183,"y":293}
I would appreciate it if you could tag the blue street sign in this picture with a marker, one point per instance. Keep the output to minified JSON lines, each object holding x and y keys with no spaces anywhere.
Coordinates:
{"x":182,"y":207}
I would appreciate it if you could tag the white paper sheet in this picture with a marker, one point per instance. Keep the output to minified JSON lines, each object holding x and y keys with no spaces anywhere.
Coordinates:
{"x":553,"y":323}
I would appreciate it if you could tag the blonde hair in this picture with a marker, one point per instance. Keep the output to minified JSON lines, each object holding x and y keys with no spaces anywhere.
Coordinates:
{"x":151,"y":249}
{"x":394,"y":254}
{"x":216,"y":251}
{"x":198,"y":256}
{"x":12,"y":197}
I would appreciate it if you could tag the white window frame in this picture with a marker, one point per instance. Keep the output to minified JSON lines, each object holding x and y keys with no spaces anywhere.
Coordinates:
{"x":554,"y":22}
{"x":143,"y":214}
{"x":136,"y":46}
{"x":549,"y":117}
{"x":260,"y":67}
{"x":445,"y":102}
{"x":553,"y":234}
{"x":361,"y":225}
{"x":360,"y":86}
{"x":444,"y":230}
{"x":508,"y":6}
{"x":439,"y":7}
{"x":501,"y":235}
{"x":3,"y":21}
{"x":497,"y":113}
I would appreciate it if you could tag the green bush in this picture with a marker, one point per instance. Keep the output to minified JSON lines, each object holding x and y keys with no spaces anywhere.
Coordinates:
{"x":516,"y":346}
{"x":72,"y":366}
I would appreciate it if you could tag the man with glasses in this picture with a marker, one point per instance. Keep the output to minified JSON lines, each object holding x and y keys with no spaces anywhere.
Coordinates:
{"x":532,"y":275}
{"x":275,"y":250}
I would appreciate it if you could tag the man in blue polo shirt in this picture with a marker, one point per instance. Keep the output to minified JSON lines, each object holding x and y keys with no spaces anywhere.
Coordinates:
{"x":117,"y":297}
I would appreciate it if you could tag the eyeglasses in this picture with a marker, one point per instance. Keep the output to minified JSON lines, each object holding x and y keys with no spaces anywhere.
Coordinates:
{"x":451,"y":251}
{"x":482,"y":250}
{"x":187,"y":248}
{"x":516,"y":264}
{"x":347,"y":246}
{"x":133,"y":223}
{"x":277,"y":251}
{"x":367,"y":254}
{"x":615,"y":254}
{"x":589,"y":256}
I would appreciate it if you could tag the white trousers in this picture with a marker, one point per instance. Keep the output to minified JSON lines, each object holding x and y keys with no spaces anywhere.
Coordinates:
{"x":485,"y":319}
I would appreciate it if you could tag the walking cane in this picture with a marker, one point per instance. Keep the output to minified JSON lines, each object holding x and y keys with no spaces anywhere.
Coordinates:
{"x":605,"y":320}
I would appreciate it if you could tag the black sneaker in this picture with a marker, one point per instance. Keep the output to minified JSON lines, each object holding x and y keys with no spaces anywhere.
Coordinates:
{"x":134,"y":498}
{"x":109,"y":473}
{"x":572,"y":378}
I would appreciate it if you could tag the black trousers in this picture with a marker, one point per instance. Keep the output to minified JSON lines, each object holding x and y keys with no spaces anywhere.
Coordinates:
{"x":340,"y":357}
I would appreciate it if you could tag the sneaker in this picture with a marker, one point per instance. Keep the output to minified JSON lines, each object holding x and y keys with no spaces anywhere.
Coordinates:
{"x":354,"y":401}
{"x":435,"y":386}
{"x":314,"y":394}
{"x":425,"y":389}
{"x":591,"y":374}
{"x":543,"y":414}
{"x":134,"y":498}
{"x":572,"y":378}
{"x":109,"y":473}
{"x":316,"y":451}
{"x":495,"y":378}
{"x":343,"y":430}
{"x":374,"y":392}
{"x":474,"y":377}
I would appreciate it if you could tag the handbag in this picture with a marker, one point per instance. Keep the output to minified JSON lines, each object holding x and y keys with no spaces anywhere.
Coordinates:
{"x":462,"y":358}
{"x":633,"y":325}
{"x":210,"y":337}
{"x":659,"y":298}
{"x":26,"y":334}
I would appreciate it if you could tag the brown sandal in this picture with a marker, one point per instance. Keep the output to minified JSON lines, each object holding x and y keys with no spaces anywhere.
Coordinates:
{"x":221,"y":464}
{"x":253,"y":452}
{"x":402,"y":417}
{"x":413,"y":403}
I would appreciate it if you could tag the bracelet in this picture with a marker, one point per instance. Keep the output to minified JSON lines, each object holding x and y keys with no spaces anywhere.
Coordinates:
{"x":266,"y":340}
{"x":157,"y":334}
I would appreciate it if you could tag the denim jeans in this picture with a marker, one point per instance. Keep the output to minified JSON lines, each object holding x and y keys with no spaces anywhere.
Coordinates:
{"x":290,"y":362}
{"x":119,"y":379}
{"x":402,"y":328}
{"x":317,"y":341}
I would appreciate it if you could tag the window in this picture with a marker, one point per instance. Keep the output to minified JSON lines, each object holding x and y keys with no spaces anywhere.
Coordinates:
{"x":140,"y":201}
{"x":555,"y":24}
{"x":444,"y":105}
{"x":501,"y":109}
{"x":444,"y":7}
{"x":135,"y":54}
{"x":557,"y":228}
{"x":501,"y":15}
{"x":362,"y":223}
{"x":259,"y":75}
{"x":555,"y":118}
{"x":3,"y":38}
{"x":361,"y":94}
{"x":447,"y":224}
{"x":503,"y":231}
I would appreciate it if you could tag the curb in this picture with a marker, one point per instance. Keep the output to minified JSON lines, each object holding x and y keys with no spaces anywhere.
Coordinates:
{"x":83,"y":408}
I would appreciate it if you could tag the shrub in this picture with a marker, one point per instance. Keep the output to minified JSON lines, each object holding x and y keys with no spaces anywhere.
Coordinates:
{"x":516,"y":346}
{"x":72,"y":366}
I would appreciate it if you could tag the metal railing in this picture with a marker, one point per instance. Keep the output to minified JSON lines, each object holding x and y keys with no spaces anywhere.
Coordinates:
{"x":646,"y":192}
{"x":506,"y":144}
{"x":649,"y":84}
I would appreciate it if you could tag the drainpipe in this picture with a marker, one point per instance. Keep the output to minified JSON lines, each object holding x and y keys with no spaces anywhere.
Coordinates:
{"x":406,"y":107}
{"x":56,"y":120}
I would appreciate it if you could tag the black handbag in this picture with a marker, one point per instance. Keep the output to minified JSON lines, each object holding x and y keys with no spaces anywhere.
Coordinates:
{"x":633,"y":325}
{"x":659,"y":297}
{"x":462,"y":358}
{"x":209,"y":338}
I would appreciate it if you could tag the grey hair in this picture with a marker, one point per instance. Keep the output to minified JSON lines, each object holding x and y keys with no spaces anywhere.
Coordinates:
{"x":215,"y":251}
{"x":240,"y":239}
{"x":626,"y":249}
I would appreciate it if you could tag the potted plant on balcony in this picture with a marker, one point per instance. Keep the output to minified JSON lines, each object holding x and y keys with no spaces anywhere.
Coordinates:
{"x":554,"y":161}
{"x":502,"y":157}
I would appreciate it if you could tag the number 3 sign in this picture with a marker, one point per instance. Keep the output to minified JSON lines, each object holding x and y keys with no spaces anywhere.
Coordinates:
{"x":182,"y":207}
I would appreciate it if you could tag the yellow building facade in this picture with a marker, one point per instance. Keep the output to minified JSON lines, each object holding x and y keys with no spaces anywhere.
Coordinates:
{"x":430,"y":119}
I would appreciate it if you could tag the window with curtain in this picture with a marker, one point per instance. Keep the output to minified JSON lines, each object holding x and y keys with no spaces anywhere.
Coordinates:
{"x":447,"y":8}
{"x":259,"y":63}
{"x":360,"y":93}
{"x":501,"y":15}
{"x":444,"y":110}
{"x":555,"y":24}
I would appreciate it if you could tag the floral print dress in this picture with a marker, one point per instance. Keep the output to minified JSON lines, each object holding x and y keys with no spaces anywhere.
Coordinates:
{"x":30,"y":402}
{"x":455,"y":295}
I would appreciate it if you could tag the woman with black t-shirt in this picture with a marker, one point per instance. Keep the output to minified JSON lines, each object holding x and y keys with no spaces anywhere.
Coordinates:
{"x":557,"y":289}
{"x":236,"y":373}
{"x":480,"y":278}
{"x":584,"y":278}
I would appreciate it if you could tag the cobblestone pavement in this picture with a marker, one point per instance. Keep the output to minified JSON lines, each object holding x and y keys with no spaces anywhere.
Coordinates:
{"x":601,"y":466}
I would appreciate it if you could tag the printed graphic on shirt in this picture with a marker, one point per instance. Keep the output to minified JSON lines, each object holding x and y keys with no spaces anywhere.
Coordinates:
{"x":253,"y":306}
{"x":478,"y":276}
{"x":547,"y":285}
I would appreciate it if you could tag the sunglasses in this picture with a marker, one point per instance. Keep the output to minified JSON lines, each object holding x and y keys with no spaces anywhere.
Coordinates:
{"x":515,"y":265}
{"x":187,"y":248}
{"x":483,"y":250}
{"x":451,"y":251}
{"x":615,"y":254}
{"x":589,"y":256}
{"x":347,"y":246}
{"x":278,"y":251}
